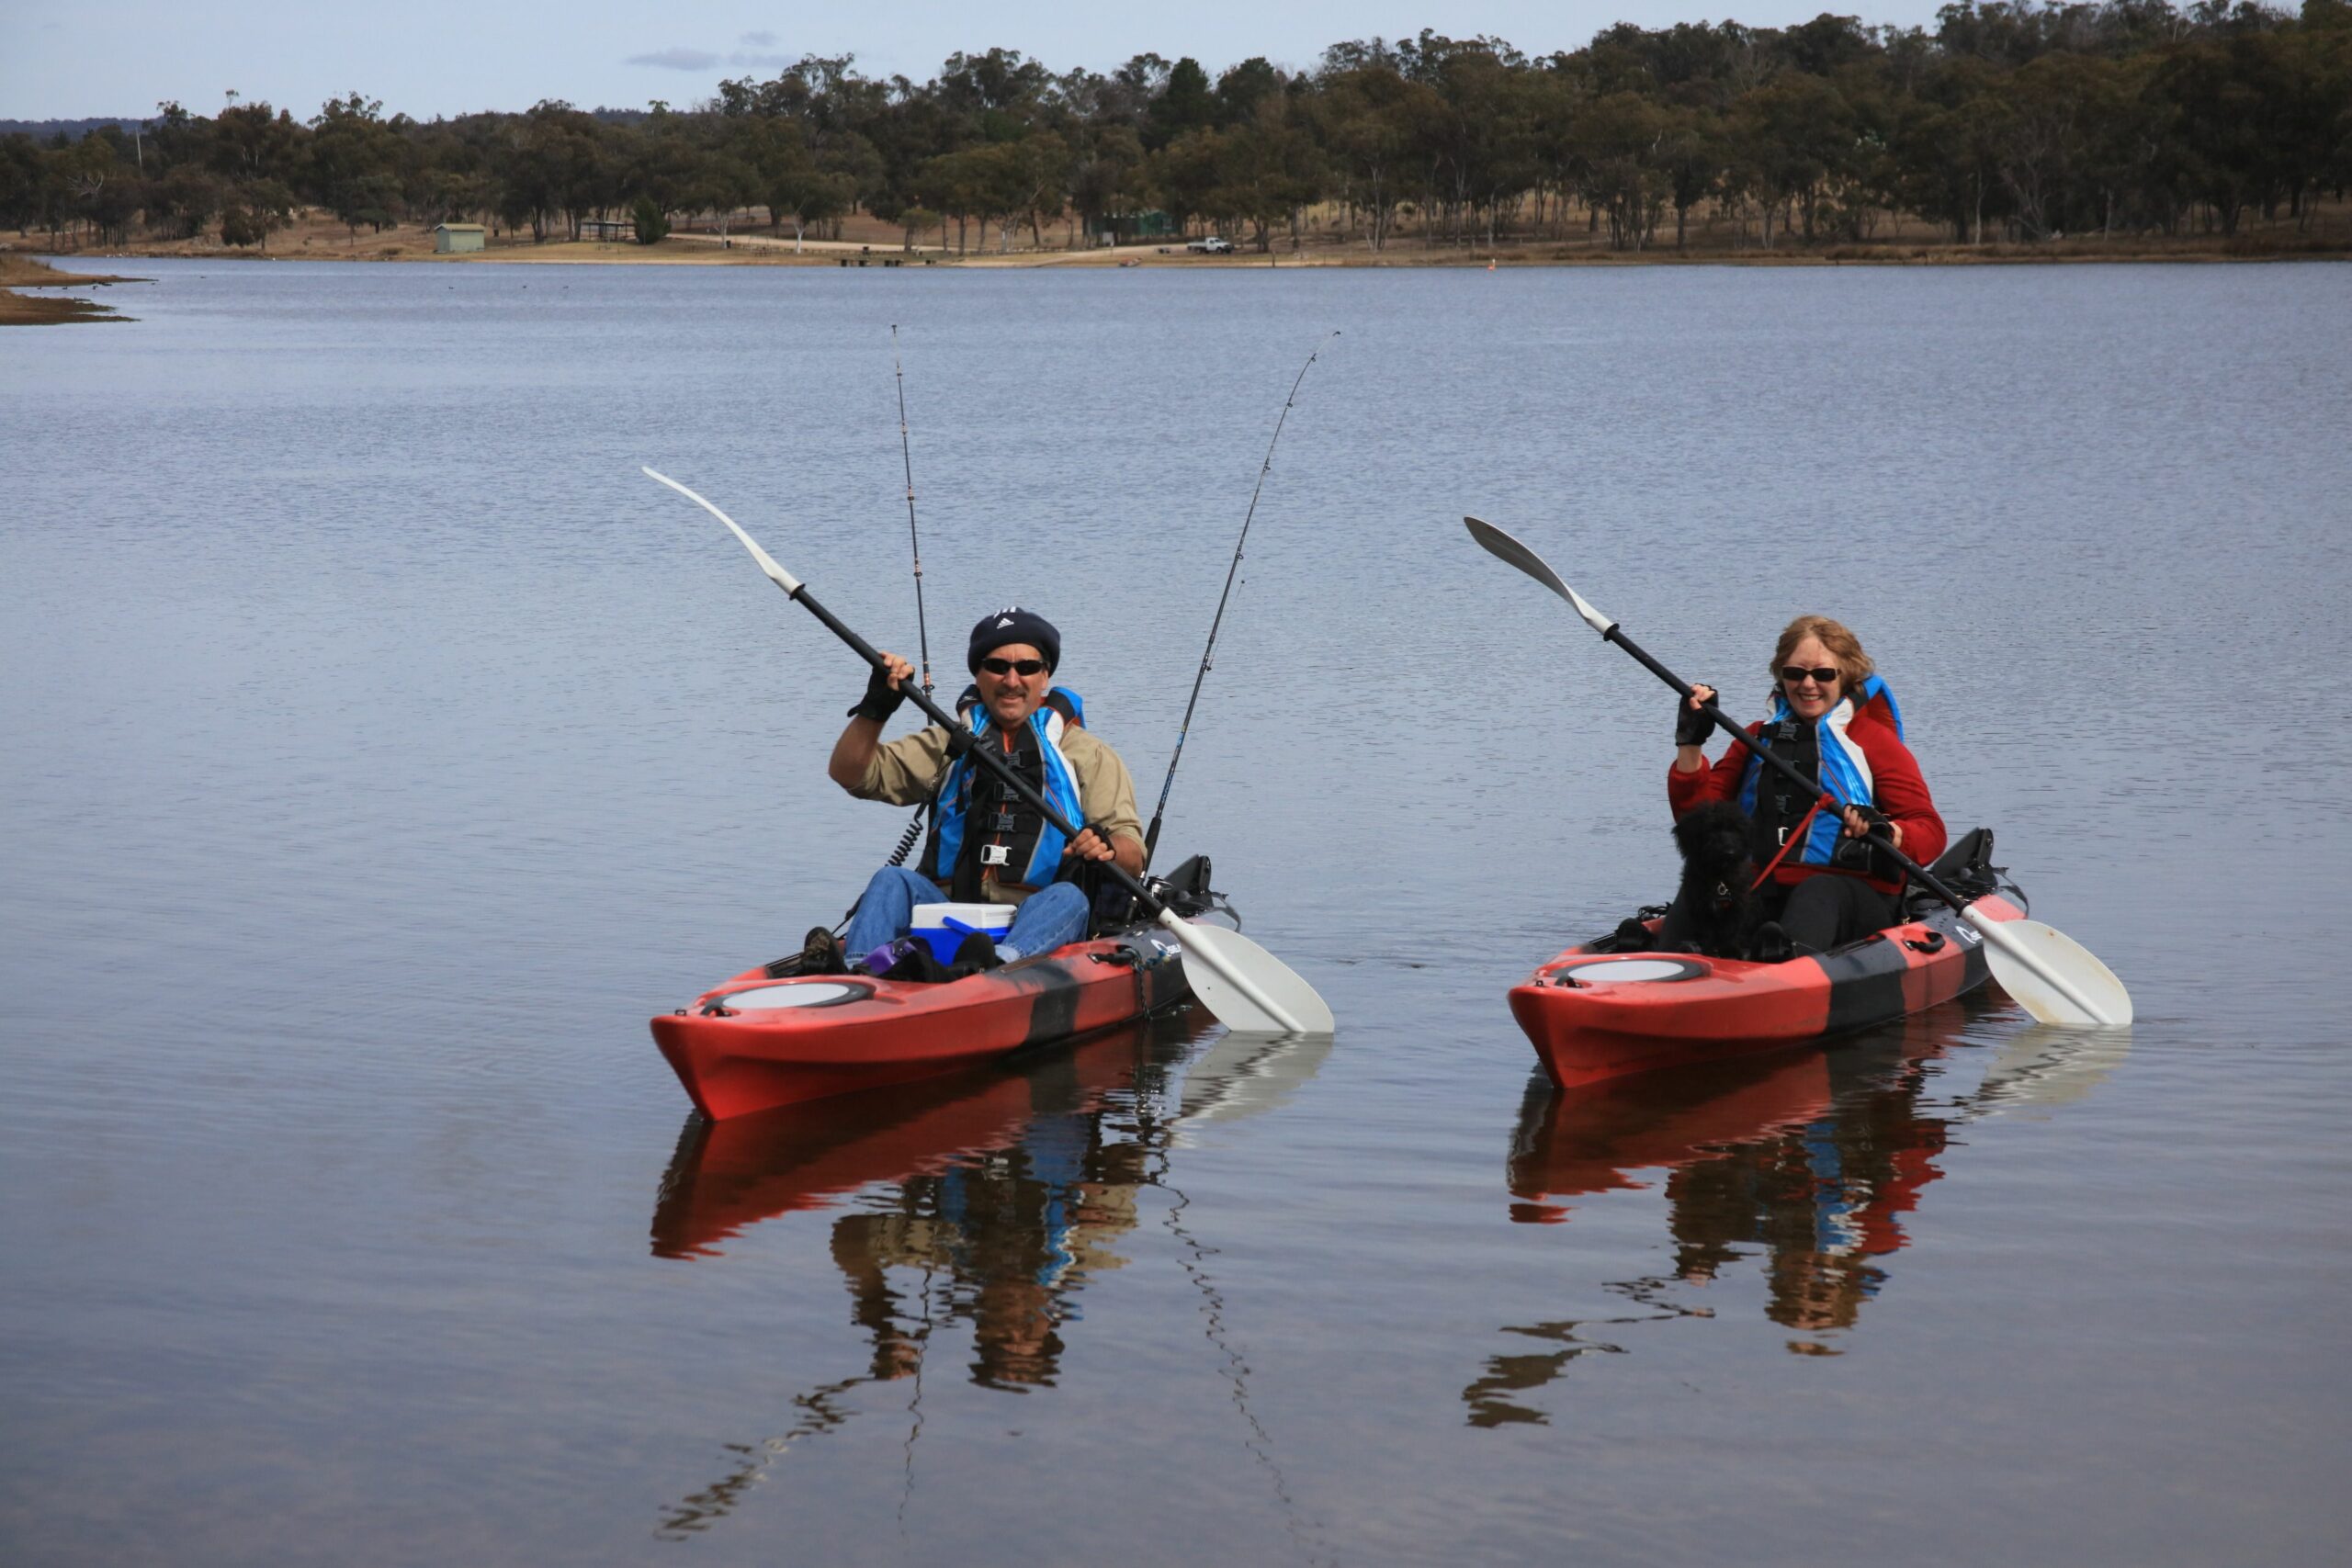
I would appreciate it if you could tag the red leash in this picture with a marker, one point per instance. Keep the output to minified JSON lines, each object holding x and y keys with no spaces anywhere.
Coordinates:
{"x":1789,"y":843}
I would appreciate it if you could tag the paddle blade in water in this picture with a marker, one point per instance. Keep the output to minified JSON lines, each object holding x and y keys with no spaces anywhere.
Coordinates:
{"x":1249,"y":990}
{"x":2052,"y":975}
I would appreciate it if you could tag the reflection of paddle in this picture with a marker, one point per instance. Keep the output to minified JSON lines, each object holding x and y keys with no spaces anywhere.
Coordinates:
{"x":2052,"y":975}
{"x":1249,"y":990}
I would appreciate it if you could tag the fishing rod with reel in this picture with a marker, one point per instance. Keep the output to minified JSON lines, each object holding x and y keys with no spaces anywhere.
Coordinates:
{"x":1208,"y":654}
{"x":914,"y":833}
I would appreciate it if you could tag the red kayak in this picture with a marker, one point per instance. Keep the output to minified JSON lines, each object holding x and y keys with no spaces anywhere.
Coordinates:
{"x":1598,"y":1012}
{"x":728,"y":1176}
{"x":757,"y":1042}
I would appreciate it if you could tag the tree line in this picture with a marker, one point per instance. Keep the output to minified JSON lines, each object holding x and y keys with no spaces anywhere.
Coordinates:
{"x":2007,"y":119}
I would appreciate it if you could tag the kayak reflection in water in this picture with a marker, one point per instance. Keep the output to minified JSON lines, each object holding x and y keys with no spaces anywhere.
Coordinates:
{"x":990,"y":1197}
{"x":984,"y":1202}
{"x":1812,"y":1159}
{"x":986,"y":844}
{"x":1836,"y":720}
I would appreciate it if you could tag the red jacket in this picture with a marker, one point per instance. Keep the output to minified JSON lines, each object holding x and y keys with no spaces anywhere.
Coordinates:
{"x":1897,"y":789}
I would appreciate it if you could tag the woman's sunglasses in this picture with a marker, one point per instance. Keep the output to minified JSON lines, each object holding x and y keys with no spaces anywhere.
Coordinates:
{"x":1794,"y":674}
{"x":1014,"y":666}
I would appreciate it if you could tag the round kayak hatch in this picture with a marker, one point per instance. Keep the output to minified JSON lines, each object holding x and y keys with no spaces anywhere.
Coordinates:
{"x":800,"y":994}
{"x":1625,"y":971}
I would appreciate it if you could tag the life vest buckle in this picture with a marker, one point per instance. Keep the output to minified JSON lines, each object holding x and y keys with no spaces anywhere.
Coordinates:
{"x":996,"y":855}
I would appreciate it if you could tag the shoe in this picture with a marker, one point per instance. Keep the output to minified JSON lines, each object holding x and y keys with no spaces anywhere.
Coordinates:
{"x":820,"y":953}
{"x":976,"y":955}
{"x":911,"y":959}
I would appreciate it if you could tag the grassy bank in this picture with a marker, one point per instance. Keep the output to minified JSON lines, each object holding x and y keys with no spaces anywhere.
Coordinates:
{"x":39,"y":309}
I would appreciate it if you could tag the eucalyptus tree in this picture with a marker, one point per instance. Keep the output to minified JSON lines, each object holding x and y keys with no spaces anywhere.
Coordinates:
{"x":1106,"y":175}
{"x":1371,"y":122}
{"x":1269,"y":167}
{"x":1690,"y":157}
{"x":352,"y":163}
{"x":1792,"y":136}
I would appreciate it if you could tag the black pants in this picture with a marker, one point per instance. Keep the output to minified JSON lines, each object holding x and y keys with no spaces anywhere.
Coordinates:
{"x":1822,"y":911}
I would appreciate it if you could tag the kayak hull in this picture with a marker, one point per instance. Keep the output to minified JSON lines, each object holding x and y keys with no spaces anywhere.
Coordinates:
{"x":752,"y":1044}
{"x":1589,"y":1021}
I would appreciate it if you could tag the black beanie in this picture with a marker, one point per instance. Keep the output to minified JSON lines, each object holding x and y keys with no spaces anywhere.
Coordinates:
{"x":1012,"y":625}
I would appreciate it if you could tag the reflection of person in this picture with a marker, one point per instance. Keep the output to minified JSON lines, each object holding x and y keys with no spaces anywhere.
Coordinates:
{"x":1834,"y":718}
{"x":987,"y":845}
{"x":1826,"y":1199}
{"x":1017,"y":1233}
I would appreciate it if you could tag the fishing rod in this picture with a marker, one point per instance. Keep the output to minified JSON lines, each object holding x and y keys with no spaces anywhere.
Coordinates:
{"x":907,"y":458}
{"x":908,"y":839}
{"x":1208,"y":654}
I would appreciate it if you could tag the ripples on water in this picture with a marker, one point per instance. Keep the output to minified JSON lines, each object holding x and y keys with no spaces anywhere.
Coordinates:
{"x":383,"y":750}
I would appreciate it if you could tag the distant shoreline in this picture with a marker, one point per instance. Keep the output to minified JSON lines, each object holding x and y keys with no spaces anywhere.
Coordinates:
{"x":19,"y":270}
{"x":766,"y":251}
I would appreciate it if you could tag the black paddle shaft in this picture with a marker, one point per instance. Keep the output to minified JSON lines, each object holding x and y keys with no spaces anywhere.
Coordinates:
{"x":993,"y":764}
{"x":1787,"y":769}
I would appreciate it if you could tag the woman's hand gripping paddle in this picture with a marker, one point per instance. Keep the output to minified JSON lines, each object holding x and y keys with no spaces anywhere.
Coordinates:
{"x":1249,"y":990}
{"x":2049,"y":974}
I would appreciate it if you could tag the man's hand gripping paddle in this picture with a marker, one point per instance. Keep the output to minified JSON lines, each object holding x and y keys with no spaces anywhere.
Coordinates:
{"x":1249,"y":990}
{"x":2052,"y":975}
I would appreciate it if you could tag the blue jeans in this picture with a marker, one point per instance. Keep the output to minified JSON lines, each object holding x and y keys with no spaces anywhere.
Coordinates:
{"x":1048,"y":918}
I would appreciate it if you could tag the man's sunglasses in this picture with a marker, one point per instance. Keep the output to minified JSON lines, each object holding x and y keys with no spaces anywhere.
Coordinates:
{"x":1794,"y":673}
{"x":1014,"y":666}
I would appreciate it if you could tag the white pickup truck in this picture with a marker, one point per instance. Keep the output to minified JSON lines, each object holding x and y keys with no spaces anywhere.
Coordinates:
{"x":1215,"y":245}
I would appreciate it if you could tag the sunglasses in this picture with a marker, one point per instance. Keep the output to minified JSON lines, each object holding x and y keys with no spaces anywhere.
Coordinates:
{"x":1014,"y":666}
{"x":1796,"y":674}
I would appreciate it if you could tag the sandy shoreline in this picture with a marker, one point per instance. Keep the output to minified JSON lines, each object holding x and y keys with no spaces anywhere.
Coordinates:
{"x":839,"y":254}
{"x":314,"y":240}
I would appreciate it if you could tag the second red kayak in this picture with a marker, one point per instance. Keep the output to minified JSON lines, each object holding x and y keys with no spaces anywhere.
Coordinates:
{"x":1595,"y":1012}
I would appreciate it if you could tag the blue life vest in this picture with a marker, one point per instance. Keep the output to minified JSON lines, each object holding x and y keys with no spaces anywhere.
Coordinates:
{"x":977,"y":825}
{"x":1840,"y":765}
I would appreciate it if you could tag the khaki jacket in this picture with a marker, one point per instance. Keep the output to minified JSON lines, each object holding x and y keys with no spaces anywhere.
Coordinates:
{"x":907,"y":770}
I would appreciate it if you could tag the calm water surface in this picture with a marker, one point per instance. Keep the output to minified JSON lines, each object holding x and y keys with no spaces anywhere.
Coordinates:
{"x":381,"y":750}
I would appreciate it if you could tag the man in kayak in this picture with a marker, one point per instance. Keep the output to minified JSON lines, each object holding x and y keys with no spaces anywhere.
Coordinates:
{"x":986,"y":845}
{"x":1835,"y":718}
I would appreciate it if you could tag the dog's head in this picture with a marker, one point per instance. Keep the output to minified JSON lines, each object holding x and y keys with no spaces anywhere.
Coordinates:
{"x":1713,"y":837}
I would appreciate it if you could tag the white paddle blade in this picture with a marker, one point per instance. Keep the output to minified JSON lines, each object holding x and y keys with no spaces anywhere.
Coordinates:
{"x":2052,"y":975}
{"x":1249,"y":990}
{"x":1504,"y":547}
{"x":776,"y":574}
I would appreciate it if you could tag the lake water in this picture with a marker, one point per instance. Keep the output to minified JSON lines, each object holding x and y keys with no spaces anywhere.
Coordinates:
{"x":381,"y":750}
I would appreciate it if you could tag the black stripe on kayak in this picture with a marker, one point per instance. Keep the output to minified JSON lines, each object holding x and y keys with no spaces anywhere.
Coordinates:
{"x":1865,"y":982}
{"x":1973,"y":970}
{"x":1053,"y":1008}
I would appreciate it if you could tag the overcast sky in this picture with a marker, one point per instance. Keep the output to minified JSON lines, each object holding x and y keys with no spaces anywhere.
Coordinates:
{"x":447,"y":57}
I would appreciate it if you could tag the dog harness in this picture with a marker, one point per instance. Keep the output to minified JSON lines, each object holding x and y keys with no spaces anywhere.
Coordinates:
{"x":1822,"y":749}
{"x":982,"y":831}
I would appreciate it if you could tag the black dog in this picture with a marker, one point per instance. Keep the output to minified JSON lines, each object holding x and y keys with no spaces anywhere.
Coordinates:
{"x":1716,"y":911}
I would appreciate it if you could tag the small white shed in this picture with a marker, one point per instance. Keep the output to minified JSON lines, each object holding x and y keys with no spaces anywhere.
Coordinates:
{"x":454,"y":237}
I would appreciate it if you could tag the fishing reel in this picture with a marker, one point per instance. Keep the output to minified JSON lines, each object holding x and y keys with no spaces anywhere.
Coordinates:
{"x":1186,"y":890}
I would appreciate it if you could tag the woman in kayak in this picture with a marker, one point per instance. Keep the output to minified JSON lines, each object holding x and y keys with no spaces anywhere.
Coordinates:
{"x":1835,"y":718}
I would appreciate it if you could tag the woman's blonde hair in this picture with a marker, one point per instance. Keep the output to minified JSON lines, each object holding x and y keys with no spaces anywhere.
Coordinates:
{"x":1843,"y":646}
